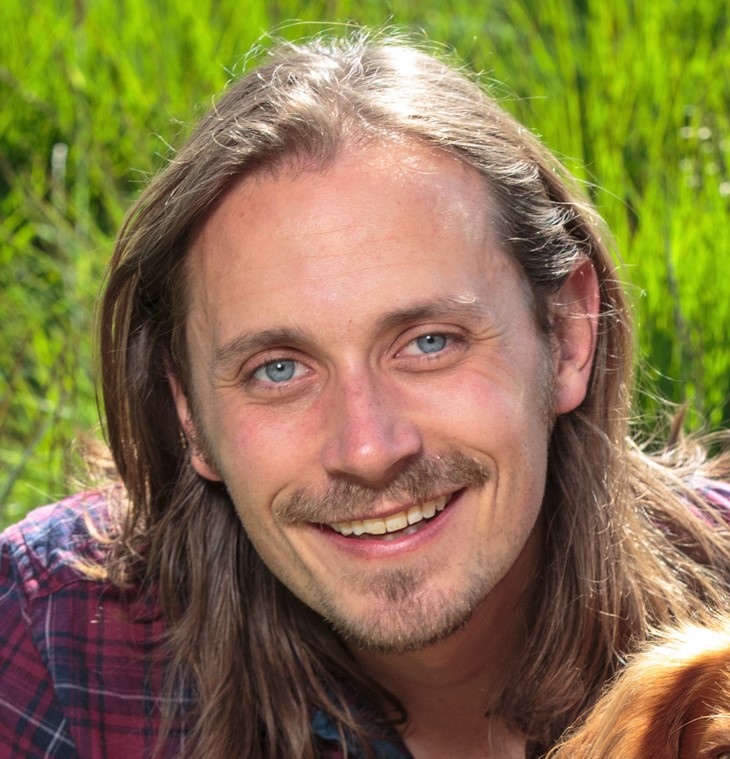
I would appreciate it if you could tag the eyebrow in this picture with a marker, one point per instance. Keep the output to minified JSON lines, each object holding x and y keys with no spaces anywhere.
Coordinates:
{"x":250,"y":342}
{"x":439,"y":308}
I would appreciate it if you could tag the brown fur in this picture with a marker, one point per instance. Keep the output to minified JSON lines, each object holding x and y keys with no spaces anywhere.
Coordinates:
{"x":672,"y":701}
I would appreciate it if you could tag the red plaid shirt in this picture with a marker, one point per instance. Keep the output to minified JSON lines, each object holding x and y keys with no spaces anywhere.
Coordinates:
{"x":77,"y":677}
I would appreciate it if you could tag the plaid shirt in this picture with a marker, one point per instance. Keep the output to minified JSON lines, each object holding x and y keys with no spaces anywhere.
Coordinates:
{"x":78,"y":672}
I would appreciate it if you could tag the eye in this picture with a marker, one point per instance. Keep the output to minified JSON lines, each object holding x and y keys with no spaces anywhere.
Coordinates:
{"x":429,"y":343}
{"x":429,"y":351}
{"x":281,"y":370}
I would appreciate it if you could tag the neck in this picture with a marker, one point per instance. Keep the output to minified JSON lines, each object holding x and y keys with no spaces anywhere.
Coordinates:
{"x":451,"y":689}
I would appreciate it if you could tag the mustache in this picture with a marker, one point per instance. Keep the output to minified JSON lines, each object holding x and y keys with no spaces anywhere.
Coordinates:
{"x":424,"y":478}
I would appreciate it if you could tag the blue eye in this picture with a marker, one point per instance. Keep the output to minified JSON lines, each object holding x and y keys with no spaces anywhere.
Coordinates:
{"x":277,"y":371}
{"x":431,"y":343}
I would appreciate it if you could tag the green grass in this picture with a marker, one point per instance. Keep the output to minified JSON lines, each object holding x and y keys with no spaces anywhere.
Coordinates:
{"x":634,"y":96}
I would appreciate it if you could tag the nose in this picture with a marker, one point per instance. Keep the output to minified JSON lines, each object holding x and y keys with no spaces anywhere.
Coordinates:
{"x":369,"y":438}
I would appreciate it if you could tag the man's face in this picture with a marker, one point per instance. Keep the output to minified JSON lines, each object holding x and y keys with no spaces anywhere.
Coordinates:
{"x":369,"y":383}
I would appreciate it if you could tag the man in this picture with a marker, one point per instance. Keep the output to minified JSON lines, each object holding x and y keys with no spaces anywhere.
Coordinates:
{"x":366,"y":369}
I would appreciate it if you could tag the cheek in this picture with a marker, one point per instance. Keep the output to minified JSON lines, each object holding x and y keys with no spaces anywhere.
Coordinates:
{"x":261,"y":461}
{"x":262,"y":452}
{"x":499,"y":410}
{"x":508,"y":423}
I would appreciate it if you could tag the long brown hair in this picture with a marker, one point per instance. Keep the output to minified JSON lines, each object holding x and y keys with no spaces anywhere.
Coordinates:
{"x":257,"y":660}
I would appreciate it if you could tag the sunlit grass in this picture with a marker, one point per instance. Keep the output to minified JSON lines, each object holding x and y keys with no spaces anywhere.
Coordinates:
{"x":634,"y":96}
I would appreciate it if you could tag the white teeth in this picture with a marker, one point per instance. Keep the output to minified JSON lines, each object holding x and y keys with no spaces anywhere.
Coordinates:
{"x":374,"y":526}
{"x":393,"y":523}
{"x":396,"y":522}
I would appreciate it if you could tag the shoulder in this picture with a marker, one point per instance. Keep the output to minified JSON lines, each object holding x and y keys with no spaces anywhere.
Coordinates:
{"x":79,"y":663}
{"x":40,"y":559}
{"x":54,"y":544}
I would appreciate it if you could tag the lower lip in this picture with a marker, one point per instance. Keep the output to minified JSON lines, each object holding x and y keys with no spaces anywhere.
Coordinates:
{"x":398,"y":545}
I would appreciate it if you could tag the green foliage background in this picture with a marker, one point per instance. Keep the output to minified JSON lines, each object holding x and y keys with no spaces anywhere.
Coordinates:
{"x":635,"y":96}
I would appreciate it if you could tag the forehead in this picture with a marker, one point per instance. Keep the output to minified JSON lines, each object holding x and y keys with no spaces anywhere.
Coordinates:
{"x":379,"y":228}
{"x":379,"y":179}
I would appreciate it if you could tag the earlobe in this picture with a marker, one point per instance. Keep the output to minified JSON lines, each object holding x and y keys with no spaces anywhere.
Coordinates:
{"x":197,"y":457}
{"x":575,"y":328}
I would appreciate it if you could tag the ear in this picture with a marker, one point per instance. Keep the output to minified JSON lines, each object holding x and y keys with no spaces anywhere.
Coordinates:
{"x":574,"y":317}
{"x":198,"y":458}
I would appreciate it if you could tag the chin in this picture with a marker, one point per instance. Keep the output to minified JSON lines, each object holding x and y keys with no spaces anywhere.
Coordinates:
{"x":672,"y":701}
{"x":404,"y":622}
{"x":414,"y":633}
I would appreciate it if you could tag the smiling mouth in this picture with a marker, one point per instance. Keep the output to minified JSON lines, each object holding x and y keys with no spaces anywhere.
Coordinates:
{"x":403,"y":523}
